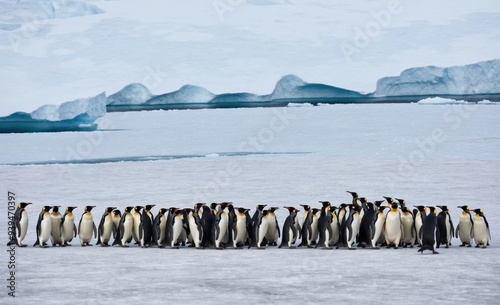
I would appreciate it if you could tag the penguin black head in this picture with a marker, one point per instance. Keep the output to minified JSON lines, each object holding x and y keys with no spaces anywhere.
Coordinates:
{"x":264,"y":213}
{"x":404,"y":209}
{"x":314,"y":211}
{"x":188,"y":210}
{"x":354,"y":194}
{"x":272,"y":209}
{"x":148,"y":207}
{"x":162,"y":211}
{"x":70,"y":209}
{"x":420,"y":208}
{"x":117,"y":212}
{"x":89,"y":208}
{"x":465,"y":208}
{"x":137,"y":208}
{"x":343,"y":206}
{"x":370,"y":205}
{"x":230,"y":207}
{"x":306,"y":207}
{"x":355,"y":207}
{"x":378,"y":202}
{"x":291,"y":209}
{"x":178,"y":212}
{"x":55,"y":208}
{"x":197,"y":206}
{"x":325,"y":203}
{"x":23,"y":205}
{"x":401,"y":201}
{"x":363,"y":199}
{"x":478,"y":212}
{"x":241,"y":210}
{"x":444,"y":208}
{"x":129,"y":209}
{"x":381,"y":208}
{"x":172,"y":210}
{"x":388,"y":199}
{"x":261,"y":207}
{"x":432,"y":209}
{"x":110,"y":209}
{"x":213,"y":205}
{"x":394,"y":205}
{"x":46,"y":208}
{"x":333,"y":208}
{"x":224,"y":205}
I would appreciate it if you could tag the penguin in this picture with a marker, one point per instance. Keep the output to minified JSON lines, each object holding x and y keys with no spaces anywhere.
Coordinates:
{"x":355,"y":198}
{"x":273,"y":230}
{"x":196,"y":229}
{"x":117,"y":215}
{"x":260,"y":229}
{"x":465,"y":227}
{"x":125,"y":229}
{"x":335,"y":227}
{"x":352,"y":225}
{"x":408,"y":223}
{"x":206,"y":218}
{"x":176,"y":228}
{"x":290,"y":232}
{"x":106,"y":227}
{"x":239,"y":228}
{"x":68,"y":227}
{"x":185,"y":236}
{"x":249,"y":228}
{"x":393,"y":227}
{"x":19,"y":225}
{"x":43,"y":227}
{"x":419,"y":216}
{"x":314,"y":226}
{"x":446,"y":229}
{"x":341,"y":215}
{"x":220,"y":226}
{"x":137,"y":224}
{"x":365,"y":229}
{"x":378,"y":226}
{"x":429,"y":232}
{"x":146,"y":226}
{"x":169,"y":227}
{"x":231,"y":218}
{"x":255,"y":217}
{"x":362,"y":201}
{"x":86,"y":227}
{"x":481,"y":229}
{"x":324,"y":226}
{"x":307,"y":228}
{"x":159,"y":226}
{"x":401,"y":202}
{"x":55,"y":232}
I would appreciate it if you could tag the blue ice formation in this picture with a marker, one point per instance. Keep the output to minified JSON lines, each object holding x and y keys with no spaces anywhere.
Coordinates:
{"x":479,"y":78}
{"x":77,"y":115}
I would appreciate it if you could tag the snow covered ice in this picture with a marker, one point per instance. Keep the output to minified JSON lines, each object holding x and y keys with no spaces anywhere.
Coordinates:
{"x":333,"y":152}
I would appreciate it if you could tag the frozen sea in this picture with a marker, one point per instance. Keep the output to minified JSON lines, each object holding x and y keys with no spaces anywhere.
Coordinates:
{"x":426,"y":154}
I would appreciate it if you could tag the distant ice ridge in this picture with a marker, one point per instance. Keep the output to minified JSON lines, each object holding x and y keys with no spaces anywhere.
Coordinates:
{"x":90,"y":108}
{"x":481,"y":77}
{"x":186,"y":94}
{"x":132,"y":94}
{"x":440,"y":101}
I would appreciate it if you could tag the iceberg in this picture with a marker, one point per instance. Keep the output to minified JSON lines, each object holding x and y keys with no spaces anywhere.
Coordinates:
{"x":132,"y":94}
{"x":440,"y":101}
{"x":479,"y":78}
{"x":187,"y":94}
{"x":77,"y":115}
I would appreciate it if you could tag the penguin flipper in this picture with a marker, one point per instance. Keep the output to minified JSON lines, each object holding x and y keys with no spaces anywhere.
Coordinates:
{"x":37,"y":242}
{"x":456,"y":230}
{"x":95,"y":229}
{"x":100,"y":229}
{"x":277,"y":227}
{"x":74,"y":229}
{"x":487,"y":227}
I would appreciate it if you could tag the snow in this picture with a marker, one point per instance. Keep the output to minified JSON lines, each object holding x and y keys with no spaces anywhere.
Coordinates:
{"x":481,"y":77}
{"x":439,"y":101}
{"x":445,"y":154}
{"x":186,"y":94}
{"x":91,"y":108}
{"x":130,"y":95}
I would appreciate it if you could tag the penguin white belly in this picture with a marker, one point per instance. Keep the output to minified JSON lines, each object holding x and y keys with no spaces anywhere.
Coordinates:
{"x":176,"y":230}
{"x":355,"y":230}
{"x":448,"y":230}
{"x":272,"y":230}
{"x":465,"y":229}
{"x":68,"y":228}
{"x":163,"y":227}
{"x":24,"y":225}
{"x":335,"y":231}
{"x":128,"y":228}
{"x":55,"y":234}
{"x":222,"y":230}
{"x":418,"y":225}
{"x":314,"y":229}
{"x":86,"y":229}
{"x":297,"y":227}
{"x":195,"y":234}
{"x":480,"y":231}
{"x":407,"y":227}
{"x":136,"y":225}
{"x":392,"y":228}
{"x":241,"y":228}
{"x":45,"y":229}
{"x":379,"y":225}
{"x":107,"y":229}
{"x":262,"y":231}
{"x":291,"y":241}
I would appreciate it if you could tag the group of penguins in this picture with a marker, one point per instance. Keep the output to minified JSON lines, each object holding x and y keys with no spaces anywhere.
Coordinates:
{"x":221,"y":225}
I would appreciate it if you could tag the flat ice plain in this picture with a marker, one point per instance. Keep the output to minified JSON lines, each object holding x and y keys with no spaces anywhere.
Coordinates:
{"x":426,"y":154}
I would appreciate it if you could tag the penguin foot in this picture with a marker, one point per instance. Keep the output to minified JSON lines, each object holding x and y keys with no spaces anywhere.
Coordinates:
{"x":395,"y":247}
{"x":22,"y":246}
{"x":434,"y":252}
{"x":388,"y":247}
{"x":260,"y":248}
{"x":376,"y":248}
{"x":200,"y":248}
{"x":468,"y":246}
{"x":219,"y":248}
{"x":462,"y":245}
{"x":477,"y":246}
{"x":351,"y":248}
{"x":447,"y":246}
{"x":484,"y":247}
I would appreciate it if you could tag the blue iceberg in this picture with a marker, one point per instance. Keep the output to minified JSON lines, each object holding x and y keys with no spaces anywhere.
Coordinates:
{"x":77,"y":115}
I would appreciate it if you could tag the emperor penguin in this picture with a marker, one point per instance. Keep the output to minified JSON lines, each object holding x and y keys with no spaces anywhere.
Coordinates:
{"x":307,"y":232}
{"x":352,"y":225}
{"x":231,"y":219}
{"x":307,"y":209}
{"x":137,"y":223}
{"x":408,"y":223}
{"x":146,"y":226}
{"x":378,"y":226}
{"x":260,"y":229}
{"x":177,"y":228}
{"x":185,"y":233}
{"x":366,"y":226}
{"x":159,"y":226}
{"x":169,"y":226}
{"x":335,"y":227}
{"x":106,"y":227}
{"x":68,"y":227}
{"x":125,"y":229}
{"x":86,"y":227}
{"x":314,"y":226}
{"x":341,"y":215}
{"x":324,"y":226}
{"x":429,"y":232}
{"x":220,"y":226}
{"x":393,"y":228}
{"x":196,"y":229}
{"x":206,"y":218}
{"x":446,"y":229}
{"x":255,"y":217}
{"x":56,"y":220}
{"x":43,"y":227}
{"x":419,"y":215}
{"x":19,"y":225}
{"x":465,"y":227}
{"x":273,"y":230}
{"x":117,"y":216}
{"x":239,"y":228}
{"x":290,"y":232}
{"x":481,"y":229}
